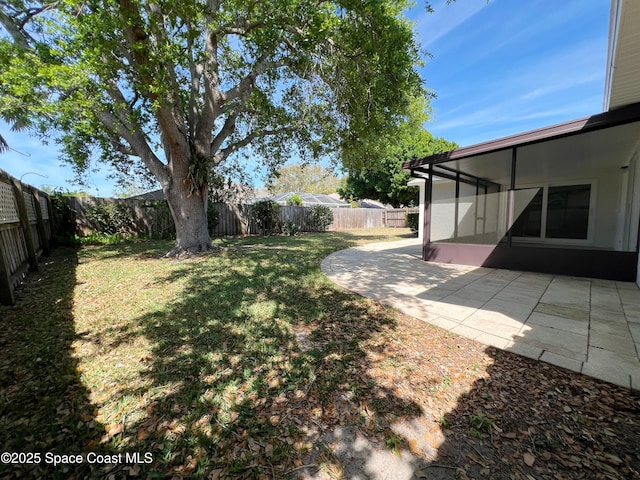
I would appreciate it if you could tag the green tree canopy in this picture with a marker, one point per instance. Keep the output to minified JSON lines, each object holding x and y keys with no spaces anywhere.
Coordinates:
{"x":383,"y":178}
{"x":4,"y":145}
{"x":304,"y":178}
{"x":173,"y":88}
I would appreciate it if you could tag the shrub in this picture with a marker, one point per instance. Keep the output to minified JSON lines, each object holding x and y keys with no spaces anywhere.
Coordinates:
{"x":160,"y":222}
{"x":319,"y":218}
{"x":266,"y":214}
{"x":112,"y":218}
{"x":412,"y":221}
{"x":64,"y":219}
{"x":101,"y":239}
{"x":295,"y":200}
{"x":290,"y":228}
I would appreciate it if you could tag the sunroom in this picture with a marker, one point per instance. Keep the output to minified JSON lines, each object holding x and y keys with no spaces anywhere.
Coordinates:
{"x":563,"y":199}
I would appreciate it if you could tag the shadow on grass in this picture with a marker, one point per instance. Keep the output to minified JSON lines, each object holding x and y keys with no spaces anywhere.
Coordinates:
{"x":515,"y":417}
{"x":44,"y":407}
{"x":257,"y":364}
{"x":254,"y":368}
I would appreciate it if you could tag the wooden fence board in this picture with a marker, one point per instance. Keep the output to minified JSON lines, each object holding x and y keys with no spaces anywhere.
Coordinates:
{"x":24,"y":232}
{"x":353,"y":218}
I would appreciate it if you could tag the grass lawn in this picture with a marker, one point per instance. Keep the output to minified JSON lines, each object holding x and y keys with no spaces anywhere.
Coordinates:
{"x":249,"y":363}
{"x":114,"y":349}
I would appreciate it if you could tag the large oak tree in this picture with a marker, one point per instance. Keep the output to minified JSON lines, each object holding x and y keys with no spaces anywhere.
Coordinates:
{"x":175,"y":87}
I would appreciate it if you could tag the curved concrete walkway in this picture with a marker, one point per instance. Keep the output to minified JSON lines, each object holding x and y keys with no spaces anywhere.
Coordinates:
{"x":585,"y":325}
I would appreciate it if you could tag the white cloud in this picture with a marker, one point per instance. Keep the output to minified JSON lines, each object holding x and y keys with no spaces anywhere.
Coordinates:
{"x":433,"y":26}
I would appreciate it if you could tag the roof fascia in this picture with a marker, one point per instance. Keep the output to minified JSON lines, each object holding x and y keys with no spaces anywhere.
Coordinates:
{"x":614,"y":30}
{"x":620,"y":116}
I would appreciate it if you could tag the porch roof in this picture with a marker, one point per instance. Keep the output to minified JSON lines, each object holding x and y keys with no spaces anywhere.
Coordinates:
{"x":623,"y":62}
{"x":621,"y":116}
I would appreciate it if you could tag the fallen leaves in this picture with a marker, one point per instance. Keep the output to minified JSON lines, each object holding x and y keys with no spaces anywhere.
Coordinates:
{"x":228,"y":410}
{"x":529,"y":459}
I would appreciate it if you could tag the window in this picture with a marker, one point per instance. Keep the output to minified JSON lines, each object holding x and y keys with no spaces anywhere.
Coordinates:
{"x":568,"y":212}
{"x":558,"y":212}
{"x":529,"y":223}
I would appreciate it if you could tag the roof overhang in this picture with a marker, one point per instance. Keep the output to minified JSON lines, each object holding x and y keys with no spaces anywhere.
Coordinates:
{"x":623,"y":58}
{"x":622,"y":116}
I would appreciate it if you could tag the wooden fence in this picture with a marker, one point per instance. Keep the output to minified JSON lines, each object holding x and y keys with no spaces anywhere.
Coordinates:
{"x":236,"y":219}
{"x":26,"y":225}
{"x":154,"y":217}
{"x":149,"y":217}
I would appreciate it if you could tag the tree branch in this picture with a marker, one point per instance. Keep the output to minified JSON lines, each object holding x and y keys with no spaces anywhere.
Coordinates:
{"x":212,"y":98}
{"x":227,"y":130}
{"x":138,"y":144}
{"x":239,"y":28}
{"x":224,"y":153}
{"x":19,"y":36}
{"x":245,"y":85}
{"x":196,"y":71}
{"x":168,"y":114}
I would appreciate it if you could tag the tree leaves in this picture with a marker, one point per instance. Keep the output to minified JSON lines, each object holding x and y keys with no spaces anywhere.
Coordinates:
{"x":326,"y":77}
{"x":304,"y":179}
{"x":381,"y":177}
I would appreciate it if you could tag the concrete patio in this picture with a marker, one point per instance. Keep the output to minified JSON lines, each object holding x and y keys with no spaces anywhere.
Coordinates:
{"x":585,"y":325}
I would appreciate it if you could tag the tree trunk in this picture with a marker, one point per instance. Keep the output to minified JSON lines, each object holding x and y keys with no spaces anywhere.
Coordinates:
{"x":189,"y":211}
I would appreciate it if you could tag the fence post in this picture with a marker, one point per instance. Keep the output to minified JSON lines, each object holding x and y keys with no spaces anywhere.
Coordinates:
{"x":52,"y":226}
{"x":26,"y":227}
{"x":6,"y":288}
{"x":44,"y":241}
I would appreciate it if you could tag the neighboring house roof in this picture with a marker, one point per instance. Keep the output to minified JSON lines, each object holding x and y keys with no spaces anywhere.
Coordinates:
{"x":364,"y":203}
{"x":368,"y":203}
{"x":261,"y":193}
{"x":151,"y":196}
{"x":308,"y":199}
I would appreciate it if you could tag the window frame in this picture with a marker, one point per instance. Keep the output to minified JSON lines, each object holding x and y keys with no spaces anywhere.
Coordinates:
{"x":543,"y":239}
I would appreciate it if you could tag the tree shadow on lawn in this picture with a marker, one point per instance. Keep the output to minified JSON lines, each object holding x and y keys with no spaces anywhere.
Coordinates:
{"x":138,"y":249}
{"x":260,"y":368}
{"x":45,"y":406}
{"x":513,"y":417}
{"x":259,"y":362}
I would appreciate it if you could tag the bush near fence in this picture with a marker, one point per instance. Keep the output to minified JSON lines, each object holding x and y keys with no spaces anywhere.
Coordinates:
{"x":154,"y":219}
{"x":26,"y":225}
{"x":151,"y":218}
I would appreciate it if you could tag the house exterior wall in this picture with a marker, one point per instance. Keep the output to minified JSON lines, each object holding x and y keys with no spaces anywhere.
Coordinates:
{"x":564,"y":199}
{"x":604,"y":211}
{"x":607,"y":207}
{"x":631,"y":208}
{"x":442,"y":210}
{"x":489,"y":215}
{"x":606,"y":195}
{"x":420,"y":183}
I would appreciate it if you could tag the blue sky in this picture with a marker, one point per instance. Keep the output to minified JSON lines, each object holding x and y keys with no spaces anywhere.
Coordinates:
{"x":503,"y":67}
{"x":498,"y":68}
